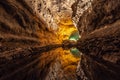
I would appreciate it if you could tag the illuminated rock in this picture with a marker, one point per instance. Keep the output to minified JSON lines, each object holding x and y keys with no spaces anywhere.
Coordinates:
{"x":50,"y":9}
{"x":99,"y":27}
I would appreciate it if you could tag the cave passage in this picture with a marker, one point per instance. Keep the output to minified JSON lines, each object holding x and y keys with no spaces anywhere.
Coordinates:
{"x":74,"y":36}
{"x":45,"y":56}
{"x":59,"y":39}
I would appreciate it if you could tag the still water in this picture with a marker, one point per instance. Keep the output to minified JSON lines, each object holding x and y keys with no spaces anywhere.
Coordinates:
{"x":56,"y":64}
{"x":62,"y":64}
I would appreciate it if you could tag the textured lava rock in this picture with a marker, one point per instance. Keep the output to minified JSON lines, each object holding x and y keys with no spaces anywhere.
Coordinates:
{"x":51,"y":10}
{"x":22,"y":31}
{"x":19,"y":25}
{"x":101,"y":51}
{"x":78,"y":9}
{"x":99,"y":27}
{"x":101,"y":13}
{"x":21,"y":35}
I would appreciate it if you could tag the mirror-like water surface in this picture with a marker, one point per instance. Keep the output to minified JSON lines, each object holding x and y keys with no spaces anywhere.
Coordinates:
{"x":62,"y":63}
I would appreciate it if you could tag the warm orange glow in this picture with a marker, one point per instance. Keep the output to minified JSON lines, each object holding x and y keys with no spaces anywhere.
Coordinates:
{"x":68,"y":61}
{"x":61,"y":60}
{"x":50,"y":38}
{"x":66,"y":27}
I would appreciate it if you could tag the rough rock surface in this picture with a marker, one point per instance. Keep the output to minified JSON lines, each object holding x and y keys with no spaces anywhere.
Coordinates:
{"x":51,"y":10}
{"x":78,"y":8}
{"x":22,"y":33}
{"x":99,"y":27}
{"x":17,"y":19}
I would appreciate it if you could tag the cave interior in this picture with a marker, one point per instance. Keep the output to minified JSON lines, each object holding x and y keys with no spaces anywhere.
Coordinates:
{"x":59,"y":39}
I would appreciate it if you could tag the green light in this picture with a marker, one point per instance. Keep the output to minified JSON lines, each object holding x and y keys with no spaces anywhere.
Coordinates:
{"x":72,"y":39}
{"x":75,"y":52}
{"x":74,"y":36}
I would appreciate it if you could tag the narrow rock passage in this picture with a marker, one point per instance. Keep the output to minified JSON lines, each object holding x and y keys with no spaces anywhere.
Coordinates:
{"x":25,"y":44}
{"x":38,"y":39}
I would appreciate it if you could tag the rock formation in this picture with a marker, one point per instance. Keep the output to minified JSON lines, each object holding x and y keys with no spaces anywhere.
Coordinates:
{"x":51,"y":10}
{"x":21,"y":35}
{"x":31,"y":30}
{"x":99,"y":43}
{"x":24,"y":36}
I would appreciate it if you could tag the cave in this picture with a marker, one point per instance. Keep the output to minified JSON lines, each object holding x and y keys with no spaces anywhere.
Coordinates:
{"x":59,"y":39}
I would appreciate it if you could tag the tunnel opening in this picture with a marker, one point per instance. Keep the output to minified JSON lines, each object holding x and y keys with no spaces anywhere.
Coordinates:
{"x":74,"y":36}
{"x":43,"y":62}
{"x":67,"y":31}
{"x":68,"y":55}
{"x":69,"y":35}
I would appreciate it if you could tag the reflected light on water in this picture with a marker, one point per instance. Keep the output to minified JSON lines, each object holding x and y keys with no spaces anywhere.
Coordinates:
{"x":64,"y":61}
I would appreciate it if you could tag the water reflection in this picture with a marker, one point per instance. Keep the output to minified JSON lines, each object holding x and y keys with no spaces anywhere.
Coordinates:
{"x":75,"y":52}
{"x":42,"y":63}
{"x":62,"y":64}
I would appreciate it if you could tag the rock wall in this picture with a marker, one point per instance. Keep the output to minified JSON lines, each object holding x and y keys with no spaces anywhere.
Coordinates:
{"x":23,"y":30}
{"x":100,"y":14}
{"x":22,"y":34}
{"x":99,"y":43}
{"x":78,"y":9}
{"x":51,"y":10}
{"x":19,"y":25}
